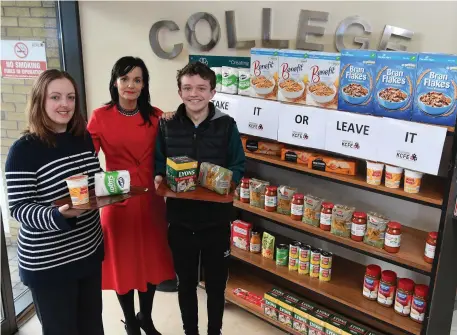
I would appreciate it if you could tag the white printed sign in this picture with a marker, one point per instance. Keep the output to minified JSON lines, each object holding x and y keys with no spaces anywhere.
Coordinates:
{"x":352,"y":134}
{"x":258,"y":117}
{"x":302,"y":126}
{"x":226,"y":103}
{"x":411,"y":145}
{"x":23,"y":59}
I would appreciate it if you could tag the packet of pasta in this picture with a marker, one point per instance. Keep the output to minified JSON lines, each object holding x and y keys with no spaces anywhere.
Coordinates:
{"x":342,"y":220}
{"x":376,"y":229}
{"x":215,"y":178}
{"x":312,"y":210}
{"x":285,"y":194}
{"x":257,"y":192}
{"x":268,"y":246}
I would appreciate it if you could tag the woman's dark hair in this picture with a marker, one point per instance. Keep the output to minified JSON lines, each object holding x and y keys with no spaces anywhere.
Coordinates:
{"x":123,"y":66}
{"x":200,"y":69}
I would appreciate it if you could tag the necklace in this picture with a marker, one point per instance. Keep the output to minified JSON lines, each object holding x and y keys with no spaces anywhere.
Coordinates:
{"x":127,"y":112}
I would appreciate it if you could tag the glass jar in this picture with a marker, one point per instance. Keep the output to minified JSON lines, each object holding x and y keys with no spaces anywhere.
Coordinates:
{"x":244,"y":190}
{"x":371,"y":281}
{"x":271,"y":198}
{"x":387,"y":286}
{"x":404,"y":296}
{"x":296,"y":207}
{"x":419,"y":303}
{"x":393,"y":237}
{"x":325,"y":222}
{"x":358,"y":226}
{"x":430,"y":246}
{"x":255,"y":243}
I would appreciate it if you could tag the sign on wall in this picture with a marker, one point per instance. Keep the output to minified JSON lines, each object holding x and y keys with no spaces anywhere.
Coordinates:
{"x":219,"y":61}
{"x":23,"y":59}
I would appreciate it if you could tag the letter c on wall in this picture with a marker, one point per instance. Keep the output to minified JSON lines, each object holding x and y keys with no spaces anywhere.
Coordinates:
{"x":154,"y":39}
{"x":191,"y":35}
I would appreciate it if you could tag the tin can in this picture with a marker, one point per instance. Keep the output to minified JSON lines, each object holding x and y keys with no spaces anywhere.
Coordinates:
{"x":303,"y":268}
{"x":314,"y":270}
{"x":315,"y":256}
{"x":294,"y":249}
{"x":326,"y":260}
{"x":325,"y":274}
{"x":282,"y":253}
{"x":304,"y":255}
{"x":293,"y":264}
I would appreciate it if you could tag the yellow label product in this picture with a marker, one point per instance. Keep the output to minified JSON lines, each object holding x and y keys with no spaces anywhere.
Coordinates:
{"x":318,"y":321}
{"x":286,"y":305}
{"x":314,"y":271}
{"x":302,"y":312}
{"x":303,"y":268}
{"x":271,"y":303}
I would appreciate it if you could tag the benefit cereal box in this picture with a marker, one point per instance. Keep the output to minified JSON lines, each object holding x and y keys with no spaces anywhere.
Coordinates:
{"x":436,"y":89}
{"x":395,"y":84}
{"x":323,"y":79}
{"x":264,"y":73}
{"x":357,"y":81}
{"x":293,"y":75}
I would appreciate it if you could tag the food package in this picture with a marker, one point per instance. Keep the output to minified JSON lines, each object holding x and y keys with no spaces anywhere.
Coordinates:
{"x":181,"y":173}
{"x":293,"y":76}
{"x":264,"y":73}
{"x":332,"y":164}
{"x":261,"y":147}
{"x":286,"y":305}
{"x":244,"y":82}
{"x":376,"y":229}
{"x":356,"y":329}
{"x":271,"y":303}
{"x":336,"y":325}
{"x":215,"y":178}
{"x":318,"y":321}
{"x":296,"y":156}
{"x":112,"y":183}
{"x":257,"y":192}
{"x":241,"y":234}
{"x":218,"y":72}
{"x":229,"y":80}
{"x":342,"y":220}
{"x":312,"y":210}
{"x":302,"y":313}
{"x":268,"y":246}
{"x":285,"y":194}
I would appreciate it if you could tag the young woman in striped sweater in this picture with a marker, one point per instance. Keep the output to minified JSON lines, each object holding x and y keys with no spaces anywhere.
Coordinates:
{"x":60,"y":249}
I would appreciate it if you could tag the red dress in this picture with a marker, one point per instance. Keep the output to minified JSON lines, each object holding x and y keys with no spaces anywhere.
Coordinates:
{"x":135,"y":231}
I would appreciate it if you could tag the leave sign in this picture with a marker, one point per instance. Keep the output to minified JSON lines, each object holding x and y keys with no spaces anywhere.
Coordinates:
{"x":412,"y":145}
{"x":258,"y":117}
{"x":303,"y":126}
{"x":226,"y":104}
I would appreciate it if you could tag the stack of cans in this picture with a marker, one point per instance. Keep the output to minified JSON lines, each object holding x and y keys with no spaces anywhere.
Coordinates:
{"x":310,"y":261}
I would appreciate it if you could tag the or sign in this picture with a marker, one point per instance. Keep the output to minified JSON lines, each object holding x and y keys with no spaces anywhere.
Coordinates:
{"x":411,"y":145}
{"x":226,"y":104}
{"x":23,"y":59}
{"x":219,"y":61}
{"x":258,"y":117}
{"x":302,"y":126}
{"x":352,"y":134}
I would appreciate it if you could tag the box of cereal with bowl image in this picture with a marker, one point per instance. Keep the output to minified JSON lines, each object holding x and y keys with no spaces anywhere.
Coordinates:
{"x":293,"y":76}
{"x":357,"y":81}
{"x":395,"y":84}
{"x":264,"y":73}
{"x":323,"y":79}
{"x":436,"y":89}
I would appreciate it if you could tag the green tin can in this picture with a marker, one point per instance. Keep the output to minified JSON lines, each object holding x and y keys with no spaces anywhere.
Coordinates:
{"x":282,"y":255}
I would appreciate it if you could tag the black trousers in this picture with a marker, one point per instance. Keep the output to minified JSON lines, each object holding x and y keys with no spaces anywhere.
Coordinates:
{"x":212,"y":248}
{"x":70,"y":307}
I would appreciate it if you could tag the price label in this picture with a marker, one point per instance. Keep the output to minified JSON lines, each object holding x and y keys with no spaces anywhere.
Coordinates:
{"x":352,"y":134}
{"x":411,"y":145}
{"x":303,"y":126}
{"x":258,"y":117}
{"x":226,"y":103}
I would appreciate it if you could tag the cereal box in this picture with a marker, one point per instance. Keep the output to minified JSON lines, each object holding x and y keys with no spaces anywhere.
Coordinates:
{"x":302,"y":312}
{"x":241,"y":234}
{"x":264,"y":73}
{"x":395,"y":84}
{"x":323,"y":79}
{"x":181,"y":173}
{"x":293,"y":75}
{"x":357,"y":81}
{"x":317,"y":322}
{"x":286,"y":305}
{"x":271,"y":303}
{"x":436,"y":89}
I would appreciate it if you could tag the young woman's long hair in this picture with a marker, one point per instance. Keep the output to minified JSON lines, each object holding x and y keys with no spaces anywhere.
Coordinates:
{"x":123,"y":66}
{"x":39,"y":123}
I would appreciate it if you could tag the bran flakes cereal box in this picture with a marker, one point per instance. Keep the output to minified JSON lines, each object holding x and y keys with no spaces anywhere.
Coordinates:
{"x":323,"y":79}
{"x":395,"y":84}
{"x":436,"y":89}
{"x":293,"y":75}
{"x":357,"y":80}
{"x":264,"y":73}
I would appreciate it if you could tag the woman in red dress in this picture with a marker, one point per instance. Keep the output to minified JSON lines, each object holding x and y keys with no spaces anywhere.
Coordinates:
{"x":137,"y":256}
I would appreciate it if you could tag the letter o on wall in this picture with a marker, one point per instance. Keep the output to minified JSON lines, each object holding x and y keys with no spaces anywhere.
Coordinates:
{"x":191,"y":35}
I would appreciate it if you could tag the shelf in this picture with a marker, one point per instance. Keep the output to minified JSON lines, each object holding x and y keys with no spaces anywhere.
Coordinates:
{"x":430,"y":193}
{"x":409,"y":256}
{"x":345,"y":287}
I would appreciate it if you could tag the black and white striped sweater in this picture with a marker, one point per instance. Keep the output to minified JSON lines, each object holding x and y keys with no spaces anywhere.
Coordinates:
{"x":51,"y":247}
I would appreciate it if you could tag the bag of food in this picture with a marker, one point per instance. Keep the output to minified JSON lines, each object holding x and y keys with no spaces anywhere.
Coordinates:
{"x":215,"y":178}
{"x":257,"y":192}
{"x":244,"y":82}
{"x":218,"y":72}
{"x":312,"y":210}
{"x":229,"y":80}
{"x":241,"y":234}
{"x":112,"y":183}
{"x":376,"y":229}
{"x":342,"y":220}
{"x":268,"y":246}
{"x":285,"y":194}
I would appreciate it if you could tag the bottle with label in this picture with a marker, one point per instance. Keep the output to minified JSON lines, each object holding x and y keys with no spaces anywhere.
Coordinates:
{"x":419,"y":303}
{"x":393,"y":237}
{"x":255,"y":243}
{"x":271,"y":198}
{"x":359,"y":226}
{"x":430,"y":247}
{"x":387,"y":288}
{"x":371,"y":281}
{"x":325,"y":222}
{"x":296,"y":208}
{"x":404,"y":296}
{"x":244,"y":190}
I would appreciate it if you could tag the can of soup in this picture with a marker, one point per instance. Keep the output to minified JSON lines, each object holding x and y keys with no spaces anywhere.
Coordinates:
{"x":282,"y":253}
{"x":326,"y":260}
{"x":315,"y":256}
{"x":305,"y":251}
{"x":314,"y":270}
{"x":303,"y":268}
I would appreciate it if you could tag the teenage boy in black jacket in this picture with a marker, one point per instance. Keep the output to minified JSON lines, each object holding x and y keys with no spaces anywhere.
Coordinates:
{"x":198,"y":229}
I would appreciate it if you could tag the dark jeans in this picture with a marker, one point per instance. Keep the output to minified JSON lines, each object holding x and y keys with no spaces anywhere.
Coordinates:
{"x":212,"y":247}
{"x":70,"y":307}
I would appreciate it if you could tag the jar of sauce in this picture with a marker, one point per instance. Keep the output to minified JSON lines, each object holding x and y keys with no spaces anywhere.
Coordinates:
{"x":419,"y":303}
{"x":244,"y":190}
{"x":387,"y":288}
{"x":271,"y":198}
{"x":430,"y":247}
{"x":296,"y":207}
{"x":359,"y":226}
{"x":392,"y":237}
{"x":255,"y":244}
{"x":371,"y":282}
{"x":326,"y":216}
{"x":404,"y":296}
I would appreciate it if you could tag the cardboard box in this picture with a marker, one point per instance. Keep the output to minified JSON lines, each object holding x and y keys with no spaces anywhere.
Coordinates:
{"x":302,"y":312}
{"x":264,"y":73}
{"x":293,"y":75}
{"x":297,"y":156}
{"x":332,"y":164}
{"x":356,"y":329}
{"x":286,"y":305}
{"x":181,"y":173}
{"x":336,"y":325}
{"x":317,"y":322}
{"x":271,"y":303}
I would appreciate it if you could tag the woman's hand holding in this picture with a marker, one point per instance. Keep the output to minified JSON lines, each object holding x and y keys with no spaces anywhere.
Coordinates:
{"x":68,"y":212}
